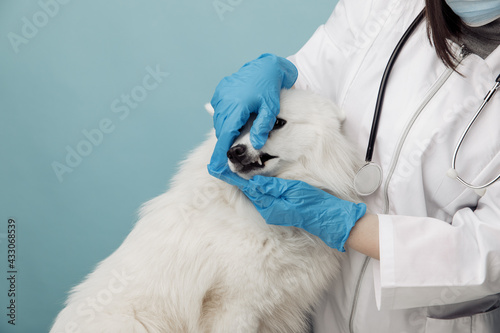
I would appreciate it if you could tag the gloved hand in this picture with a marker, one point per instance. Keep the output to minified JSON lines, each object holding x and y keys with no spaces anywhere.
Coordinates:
{"x":255,"y":88}
{"x":295,"y":203}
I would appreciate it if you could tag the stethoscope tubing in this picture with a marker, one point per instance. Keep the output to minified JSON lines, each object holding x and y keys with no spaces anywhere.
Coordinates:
{"x":485,"y":101}
{"x":383,"y":83}
{"x":370,"y":166}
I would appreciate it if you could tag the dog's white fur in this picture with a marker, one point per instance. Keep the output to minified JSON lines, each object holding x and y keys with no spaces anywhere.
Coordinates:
{"x":201,"y":258}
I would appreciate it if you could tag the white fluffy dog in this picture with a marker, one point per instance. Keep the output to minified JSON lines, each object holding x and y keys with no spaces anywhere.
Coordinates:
{"x":202,"y":259}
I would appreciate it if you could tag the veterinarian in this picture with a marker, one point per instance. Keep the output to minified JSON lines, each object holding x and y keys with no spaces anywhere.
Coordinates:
{"x":426,"y":258}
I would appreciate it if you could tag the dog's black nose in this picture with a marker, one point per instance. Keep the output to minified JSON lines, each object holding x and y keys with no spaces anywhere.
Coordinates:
{"x":237,"y":153}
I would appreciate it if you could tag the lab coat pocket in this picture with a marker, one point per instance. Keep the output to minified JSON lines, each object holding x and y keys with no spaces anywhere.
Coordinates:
{"x":487,"y":322}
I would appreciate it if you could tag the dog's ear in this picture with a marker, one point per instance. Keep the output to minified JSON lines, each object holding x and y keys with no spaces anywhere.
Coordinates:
{"x":209,"y":109}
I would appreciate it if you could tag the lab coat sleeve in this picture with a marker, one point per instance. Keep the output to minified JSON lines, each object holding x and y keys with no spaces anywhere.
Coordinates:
{"x":321,"y":61}
{"x":428,"y":262}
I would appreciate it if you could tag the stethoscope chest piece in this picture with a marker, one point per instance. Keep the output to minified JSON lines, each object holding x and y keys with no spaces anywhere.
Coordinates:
{"x":368,"y":179}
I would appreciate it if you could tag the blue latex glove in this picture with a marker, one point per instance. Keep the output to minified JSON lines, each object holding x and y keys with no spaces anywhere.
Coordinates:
{"x":255,"y":88}
{"x":295,"y":203}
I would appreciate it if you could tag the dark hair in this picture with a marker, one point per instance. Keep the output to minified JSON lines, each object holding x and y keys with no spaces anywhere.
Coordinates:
{"x":443,"y":25}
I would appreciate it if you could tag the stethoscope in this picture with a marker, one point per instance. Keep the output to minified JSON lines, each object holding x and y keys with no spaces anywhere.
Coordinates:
{"x":369,"y":177}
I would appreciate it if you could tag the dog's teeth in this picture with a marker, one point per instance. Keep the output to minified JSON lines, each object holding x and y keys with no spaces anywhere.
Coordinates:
{"x":259,"y":161}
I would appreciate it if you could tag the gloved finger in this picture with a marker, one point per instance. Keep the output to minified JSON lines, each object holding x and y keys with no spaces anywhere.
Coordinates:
{"x":227,"y":129}
{"x":219,"y":167}
{"x":229,"y":177}
{"x":263,"y":124}
{"x":219,"y":155}
{"x":290,"y":73}
{"x":283,"y":67}
{"x":260,"y":201}
{"x":233,"y":179}
{"x":223,"y":172}
{"x":219,"y":162}
{"x":270,"y":186}
{"x":225,"y":115}
{"x":230,"y":121}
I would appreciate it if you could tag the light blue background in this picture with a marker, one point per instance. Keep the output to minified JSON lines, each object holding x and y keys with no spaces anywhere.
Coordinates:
{"x":63,"y":81}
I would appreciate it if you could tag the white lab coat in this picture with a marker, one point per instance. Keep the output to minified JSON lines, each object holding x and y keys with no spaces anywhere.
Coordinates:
{"x":439,"y":241}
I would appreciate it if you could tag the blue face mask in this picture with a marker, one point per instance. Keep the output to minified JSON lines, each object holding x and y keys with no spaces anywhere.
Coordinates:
{"x":476,"y":13}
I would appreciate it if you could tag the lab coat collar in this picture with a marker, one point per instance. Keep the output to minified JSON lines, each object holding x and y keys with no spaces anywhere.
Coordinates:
{"x":493,"y":62}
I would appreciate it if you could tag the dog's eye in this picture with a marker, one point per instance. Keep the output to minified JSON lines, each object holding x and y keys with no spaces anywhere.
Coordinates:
{"x":279,"y":123}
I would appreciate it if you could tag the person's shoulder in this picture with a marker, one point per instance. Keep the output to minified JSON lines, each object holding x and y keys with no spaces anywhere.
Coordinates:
{"x":354,"y":15}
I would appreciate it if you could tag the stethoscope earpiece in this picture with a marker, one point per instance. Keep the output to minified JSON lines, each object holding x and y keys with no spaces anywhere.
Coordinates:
{"x":480,"y":191}
{"x":452,"y":173}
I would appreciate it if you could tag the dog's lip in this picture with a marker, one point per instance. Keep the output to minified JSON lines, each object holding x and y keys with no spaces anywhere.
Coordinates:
{"x":264,"y":157}
{"x":260,"y":163}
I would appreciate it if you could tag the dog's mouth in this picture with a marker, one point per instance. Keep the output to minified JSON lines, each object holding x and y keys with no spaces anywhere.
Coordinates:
{"x":244,"y":162}
{"x":260,"y":163}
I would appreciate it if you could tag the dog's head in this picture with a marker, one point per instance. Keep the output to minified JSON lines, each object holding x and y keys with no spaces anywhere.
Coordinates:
{"x":306,"y":143}
{"x":247,"y":161}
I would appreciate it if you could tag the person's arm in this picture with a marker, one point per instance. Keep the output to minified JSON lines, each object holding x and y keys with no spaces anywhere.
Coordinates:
{"x":333,"y":55}
{"x":419,"y":257}
{"x":426,"y":261}
{"x":295,"y":203}
{"x":364,"y":236}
